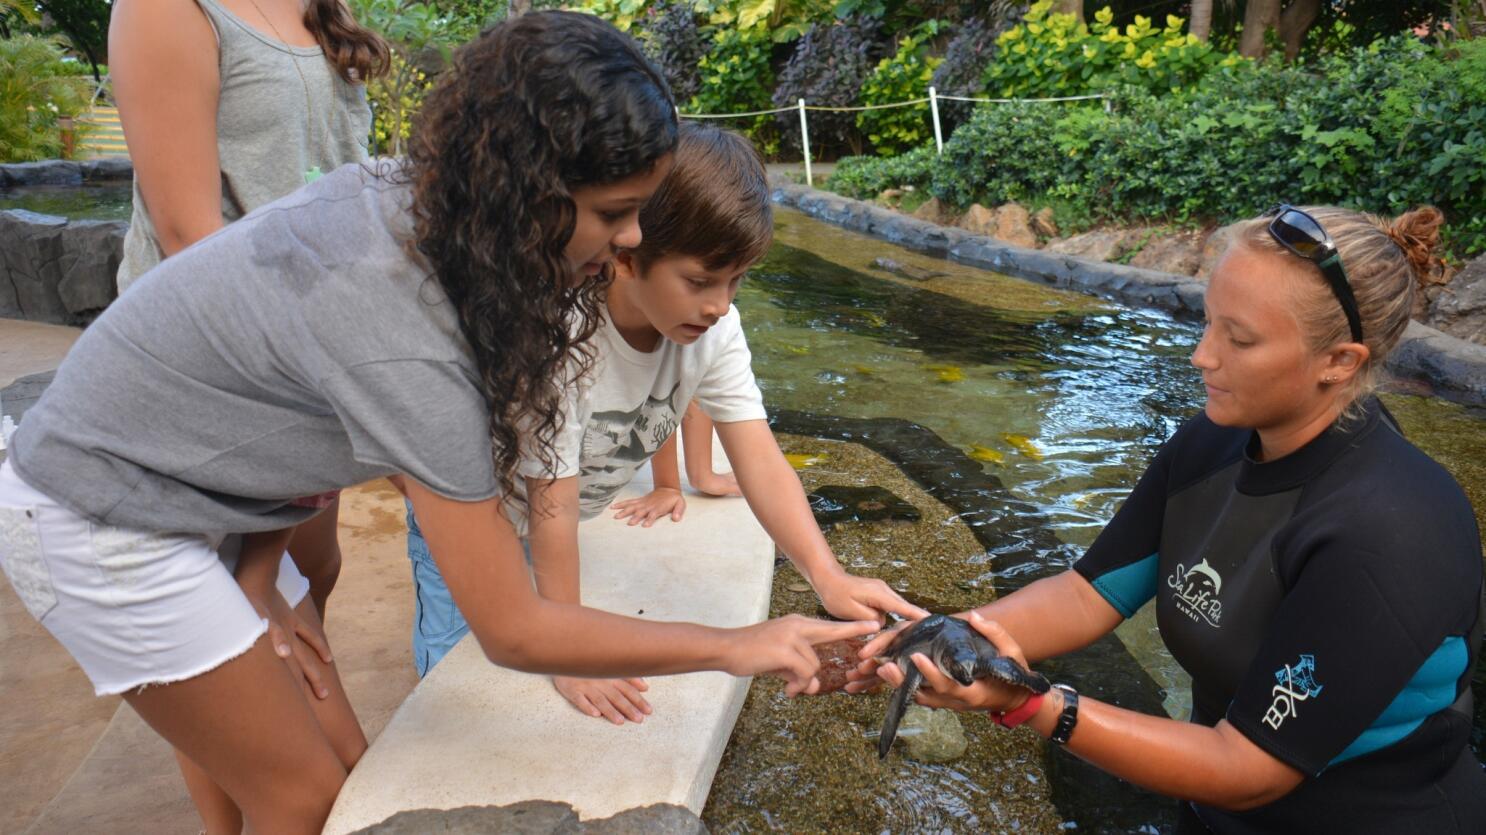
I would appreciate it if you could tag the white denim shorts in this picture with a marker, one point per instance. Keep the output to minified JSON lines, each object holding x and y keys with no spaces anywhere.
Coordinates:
{"x":134,"y":608}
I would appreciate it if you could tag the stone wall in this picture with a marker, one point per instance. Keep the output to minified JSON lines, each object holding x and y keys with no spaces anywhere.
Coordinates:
{"x":1452,"y":366}
{"x":55,"y":270}
{"x":52,"y":269}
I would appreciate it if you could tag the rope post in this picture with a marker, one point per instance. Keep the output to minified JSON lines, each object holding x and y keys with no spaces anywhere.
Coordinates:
{"x":1108,"y":105}
{"x":805,"y":143}
{"x":934,"y":109}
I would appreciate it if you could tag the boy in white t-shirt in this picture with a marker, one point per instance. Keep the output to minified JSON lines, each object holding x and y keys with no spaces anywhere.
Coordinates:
{"x":670,"y":336}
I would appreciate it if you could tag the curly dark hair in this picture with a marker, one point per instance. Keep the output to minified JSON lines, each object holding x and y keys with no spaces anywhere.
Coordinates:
{"x":534,"y":108}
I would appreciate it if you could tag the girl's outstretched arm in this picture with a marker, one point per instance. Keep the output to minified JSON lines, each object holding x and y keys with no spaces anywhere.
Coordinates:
{"x":774,"y":493}
{"x":477,"y":552}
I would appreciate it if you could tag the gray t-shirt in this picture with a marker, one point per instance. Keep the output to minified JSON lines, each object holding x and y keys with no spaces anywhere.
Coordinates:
{"x":281,"y":110}
{"x":298,"y":350}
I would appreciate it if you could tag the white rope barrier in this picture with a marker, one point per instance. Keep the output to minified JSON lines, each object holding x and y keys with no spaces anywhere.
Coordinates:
{"x":932,"y":99}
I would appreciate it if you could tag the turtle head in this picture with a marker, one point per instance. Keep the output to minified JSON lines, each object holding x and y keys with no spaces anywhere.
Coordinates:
{"x":961,"y":665}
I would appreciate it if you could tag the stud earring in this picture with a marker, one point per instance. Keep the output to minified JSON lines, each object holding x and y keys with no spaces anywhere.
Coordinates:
{"x":1329,"y":380}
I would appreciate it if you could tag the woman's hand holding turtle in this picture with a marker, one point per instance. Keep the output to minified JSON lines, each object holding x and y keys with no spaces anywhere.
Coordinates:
{"x":939,"y":690}
{"x":655,"y":505}
{"x":615,"y":699}
{"x":785,"y":647}
{"x":857,"y":598}
{"x":864,"y":678}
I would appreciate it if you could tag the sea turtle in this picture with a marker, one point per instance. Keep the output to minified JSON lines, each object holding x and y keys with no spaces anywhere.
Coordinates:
{"x":960,"y":653}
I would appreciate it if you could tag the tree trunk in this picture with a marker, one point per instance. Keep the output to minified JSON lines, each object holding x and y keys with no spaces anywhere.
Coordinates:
{"x":1259,"y":17}
{"x":1073,"y":7}
{"x":1295,"y":22}
{"x":1201,"y":24}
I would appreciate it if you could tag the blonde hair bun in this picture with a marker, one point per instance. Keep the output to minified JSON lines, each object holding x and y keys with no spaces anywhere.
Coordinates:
{"x":1417,"y":233}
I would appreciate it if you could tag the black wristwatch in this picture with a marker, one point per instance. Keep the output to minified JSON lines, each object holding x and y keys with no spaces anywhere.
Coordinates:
{"x":1068,"y":718}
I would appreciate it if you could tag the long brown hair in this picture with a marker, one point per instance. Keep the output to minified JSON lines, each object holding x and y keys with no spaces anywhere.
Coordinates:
{"x":534,"y":108}
{"x":356,"y":52}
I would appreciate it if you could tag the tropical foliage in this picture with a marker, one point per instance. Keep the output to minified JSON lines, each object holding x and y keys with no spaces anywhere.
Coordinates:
{"x":37,"y":87}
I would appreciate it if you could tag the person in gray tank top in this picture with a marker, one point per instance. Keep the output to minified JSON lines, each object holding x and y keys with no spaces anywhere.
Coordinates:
{"x":416,"y":318}
{"x":229,"y":104}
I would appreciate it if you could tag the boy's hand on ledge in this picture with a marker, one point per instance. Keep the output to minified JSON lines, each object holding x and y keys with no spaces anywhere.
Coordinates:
{"x":657,"y":504}
{"x":717,"y":484}
{"x":615,"y":699}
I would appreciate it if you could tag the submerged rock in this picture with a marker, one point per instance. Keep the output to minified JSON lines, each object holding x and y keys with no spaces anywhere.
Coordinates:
{"x":834,"y":504}
{"x":932,"y":736}
{"x":837,"y":658}
{"x":902,"y":270}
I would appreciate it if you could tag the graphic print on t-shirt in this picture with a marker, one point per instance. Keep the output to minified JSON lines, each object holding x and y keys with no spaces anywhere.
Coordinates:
{"x":616,"y":443}
{"x":1196,"y":592}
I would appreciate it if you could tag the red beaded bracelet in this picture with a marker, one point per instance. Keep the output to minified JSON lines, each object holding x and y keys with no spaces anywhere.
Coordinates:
{"x":1016,"y":717}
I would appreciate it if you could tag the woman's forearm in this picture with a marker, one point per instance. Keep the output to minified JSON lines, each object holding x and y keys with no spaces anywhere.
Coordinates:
{"x":1054,"y":615}
{"x":1213,"y":766}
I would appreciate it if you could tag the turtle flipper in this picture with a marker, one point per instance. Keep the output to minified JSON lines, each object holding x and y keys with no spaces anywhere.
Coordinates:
{"x":1004,"y":669}
{"x":897,"y":705}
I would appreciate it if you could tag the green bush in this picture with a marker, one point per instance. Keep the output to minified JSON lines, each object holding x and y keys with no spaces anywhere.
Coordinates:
{"x":867,"y":177}
{"x":903,"y":76}
{"x":1381,"y":129}
{"x":1057,"y":55}
{"x":737,"y":78}
{"x":36,"y":88}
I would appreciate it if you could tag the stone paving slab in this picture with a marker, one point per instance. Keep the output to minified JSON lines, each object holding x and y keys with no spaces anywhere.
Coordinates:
{"x":474,"y":734}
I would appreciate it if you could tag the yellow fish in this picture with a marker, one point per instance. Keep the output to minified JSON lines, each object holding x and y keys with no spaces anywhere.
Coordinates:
{"x":947,"y":373}
{"x":873,"y":319}
{"x":800,"y":350}
{"x":801,"y":460}
{"x":1023,"y":444}
{"x":865,"y":370}
{"x":1082,"y":500}
{"x":986,"y":454}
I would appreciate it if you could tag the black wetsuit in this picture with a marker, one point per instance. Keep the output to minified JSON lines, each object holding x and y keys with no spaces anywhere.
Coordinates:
{"x":1324,"y":604}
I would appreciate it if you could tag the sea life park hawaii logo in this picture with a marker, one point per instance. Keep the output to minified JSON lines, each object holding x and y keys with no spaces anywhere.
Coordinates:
{"x":1296,"y":684}
{"x":1197,"y":591}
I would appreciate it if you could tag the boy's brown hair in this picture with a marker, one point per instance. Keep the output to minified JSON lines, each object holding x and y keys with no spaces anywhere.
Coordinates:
{"x":713,"y":206}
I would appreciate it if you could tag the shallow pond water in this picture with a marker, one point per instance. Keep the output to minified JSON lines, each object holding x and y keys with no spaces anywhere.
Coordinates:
{"x":109,"y":201}
{"x":1025,"y":414}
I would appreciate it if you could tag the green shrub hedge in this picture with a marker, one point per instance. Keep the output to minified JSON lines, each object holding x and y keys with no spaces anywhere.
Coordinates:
{"x":1381,"y":128}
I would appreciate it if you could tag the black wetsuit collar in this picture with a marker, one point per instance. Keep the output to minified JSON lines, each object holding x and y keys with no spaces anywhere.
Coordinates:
{"x":1258,"y":478}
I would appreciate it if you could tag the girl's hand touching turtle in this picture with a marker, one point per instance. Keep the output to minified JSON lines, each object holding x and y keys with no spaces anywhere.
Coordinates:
{"x":939,"y":690}
{"x":785,"y":647}
{"x":615,"y":699}
{"x":655,"y":505}
{"x":857,"y":598}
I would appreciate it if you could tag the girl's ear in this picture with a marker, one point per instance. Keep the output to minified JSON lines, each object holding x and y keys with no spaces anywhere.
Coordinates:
{"x":1345,"y":362}
{"x":624,"y":265}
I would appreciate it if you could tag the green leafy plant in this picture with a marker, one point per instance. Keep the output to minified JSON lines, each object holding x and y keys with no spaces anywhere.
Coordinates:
{"x":1052,"y":54}
{"x":737,"y":78}
{"x":37,"y":87}
{"x":903,"y":76}
{"x":867,"y":177}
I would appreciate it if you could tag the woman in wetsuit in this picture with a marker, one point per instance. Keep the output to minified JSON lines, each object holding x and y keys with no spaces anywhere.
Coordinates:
{"x":1317,"y":575}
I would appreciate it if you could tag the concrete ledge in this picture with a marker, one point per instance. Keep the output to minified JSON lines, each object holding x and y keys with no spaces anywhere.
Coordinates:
{"x":1454,"y":367}
{"x":474,"y":734}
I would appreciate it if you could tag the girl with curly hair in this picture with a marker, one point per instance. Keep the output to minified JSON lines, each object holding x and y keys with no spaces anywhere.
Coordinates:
{"x":411,"y":319}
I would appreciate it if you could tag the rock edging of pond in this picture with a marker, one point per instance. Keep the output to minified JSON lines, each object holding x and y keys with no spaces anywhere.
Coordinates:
{"x":57,"y":270}
{"x":64,"y":172}
{"x":539,"y":817}
{"x":1454,"y":367}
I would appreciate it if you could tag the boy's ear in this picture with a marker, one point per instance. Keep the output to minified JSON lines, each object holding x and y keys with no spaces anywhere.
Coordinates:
{"x":624,"y":264}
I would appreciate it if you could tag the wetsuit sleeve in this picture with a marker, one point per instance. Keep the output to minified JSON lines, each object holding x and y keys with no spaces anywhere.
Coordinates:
{"x":1366,"y":646}
{"x":1121,"y":564}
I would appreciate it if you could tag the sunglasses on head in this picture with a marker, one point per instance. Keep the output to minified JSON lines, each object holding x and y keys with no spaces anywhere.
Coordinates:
{"x":1303,"y":235}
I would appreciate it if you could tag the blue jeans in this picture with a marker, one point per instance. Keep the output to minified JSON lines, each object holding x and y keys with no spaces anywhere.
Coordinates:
{"x":437,"y":623}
